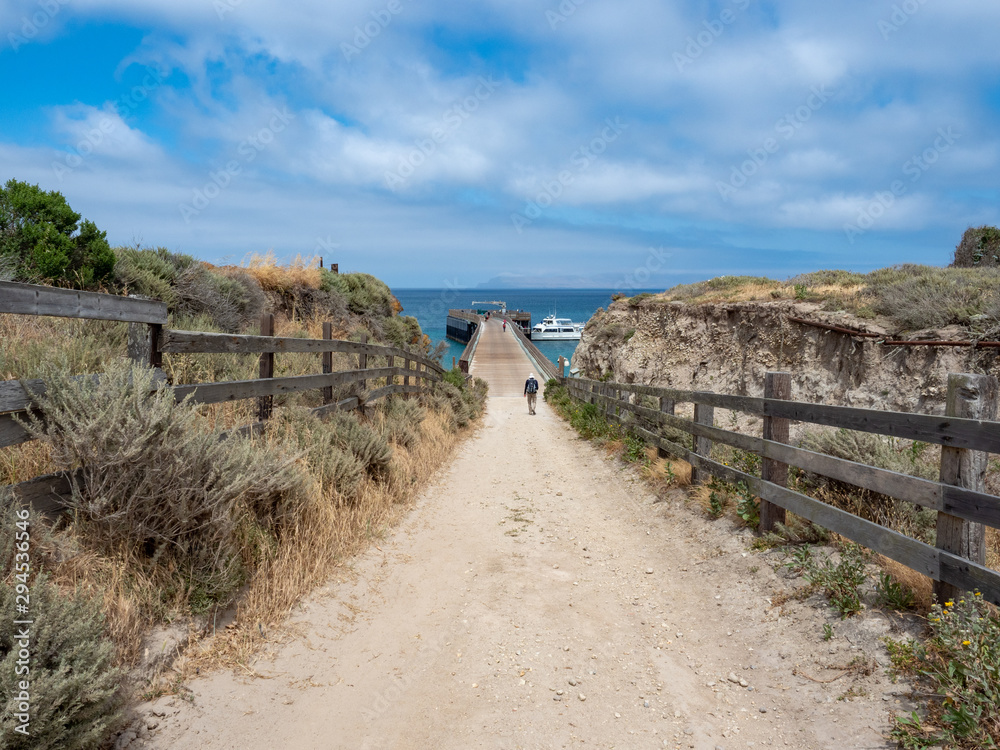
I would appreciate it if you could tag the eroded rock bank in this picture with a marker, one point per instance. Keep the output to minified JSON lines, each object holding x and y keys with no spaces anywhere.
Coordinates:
{"x":728,"y":347}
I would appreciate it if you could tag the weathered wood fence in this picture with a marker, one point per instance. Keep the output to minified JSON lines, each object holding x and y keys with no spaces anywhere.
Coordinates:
{"x":967,"y":434}
{"x":148,"y":340}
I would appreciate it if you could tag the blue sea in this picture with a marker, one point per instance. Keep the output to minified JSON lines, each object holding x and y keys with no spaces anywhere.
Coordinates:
{"x":430,"y":308}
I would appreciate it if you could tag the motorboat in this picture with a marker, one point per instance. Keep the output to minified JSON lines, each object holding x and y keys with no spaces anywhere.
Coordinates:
{"x":556,"y":329}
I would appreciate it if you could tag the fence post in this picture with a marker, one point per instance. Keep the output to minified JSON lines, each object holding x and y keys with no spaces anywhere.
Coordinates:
{"x":666,"y":407}
{"x":562,"y":367}
{"x":972,"y":397}
{"x":777,"y":385}
{"x":143,"y":345}
{"x":406,"y":366}
{"x":390,"y":361}
{"x":265,"y":403}
{"x":703,"y":414}
{"x":327,"y":358}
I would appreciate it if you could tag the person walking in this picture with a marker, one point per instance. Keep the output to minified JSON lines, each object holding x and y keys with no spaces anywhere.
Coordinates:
{"x":505,"y":326}
{"x":531,"y":392}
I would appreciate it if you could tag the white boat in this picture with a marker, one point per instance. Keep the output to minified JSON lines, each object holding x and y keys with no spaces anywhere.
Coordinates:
{"x":556,"y":329}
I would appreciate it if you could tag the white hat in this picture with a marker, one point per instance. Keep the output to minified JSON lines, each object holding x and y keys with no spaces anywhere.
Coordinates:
{"x":531,"y":374}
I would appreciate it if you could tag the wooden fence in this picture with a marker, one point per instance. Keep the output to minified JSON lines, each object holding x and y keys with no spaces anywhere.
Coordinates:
{"x":967,"y":434}
{"x":148,"y":340}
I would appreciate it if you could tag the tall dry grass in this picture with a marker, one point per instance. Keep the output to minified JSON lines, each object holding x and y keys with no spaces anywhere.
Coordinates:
{"x":272,"y":276}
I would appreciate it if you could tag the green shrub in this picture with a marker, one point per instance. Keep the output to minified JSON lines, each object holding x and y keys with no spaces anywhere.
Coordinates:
{"x":155,"y":483}
{"x":364,"y":293}
{"x":961,"y":663}
{"x":979,"y":246}
{"x":42,"y":238}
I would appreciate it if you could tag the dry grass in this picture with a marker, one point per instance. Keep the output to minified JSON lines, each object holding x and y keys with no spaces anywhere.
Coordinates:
{"x":327,"y":535}
{"x":301,"y":272}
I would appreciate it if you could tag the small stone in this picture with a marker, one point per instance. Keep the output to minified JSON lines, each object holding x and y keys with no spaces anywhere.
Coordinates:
{"x":572,"y":682}
{"x":743,"y":683}
{"x":560,"y":692}
{"x":557,"y":697}
{"x":152,"y":724}
{"x":649,"y":571}
{"x":475,"y":684}
{"x":617,"y":715}
{"x":763,"y":710}
{"x":565,"y":648}
{"x":645,"y":704}
{"x":582,"y":697}
{"x":689,"y":731}
{"x":558,"y":494}
{"x":733,"y":678}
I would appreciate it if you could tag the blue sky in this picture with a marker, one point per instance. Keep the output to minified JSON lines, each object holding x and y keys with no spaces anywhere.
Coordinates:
{"x":581,"y":142}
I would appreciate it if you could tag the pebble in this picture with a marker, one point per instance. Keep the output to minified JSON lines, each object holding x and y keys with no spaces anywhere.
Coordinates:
{"x":572,"y":682}
{"x":582,"y":697}
{"x":557,"y":697}
{"x":617,"y":715}
{"x":733,"y":678}
{"x":649,"y":571}
{"x":475,"y":684}
{"x":645,"y":704}
{"x":560,"y":692}
{"x":763,"y":710}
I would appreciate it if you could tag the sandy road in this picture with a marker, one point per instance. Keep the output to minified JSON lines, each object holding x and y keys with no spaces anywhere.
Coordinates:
{"x":536,"y":597}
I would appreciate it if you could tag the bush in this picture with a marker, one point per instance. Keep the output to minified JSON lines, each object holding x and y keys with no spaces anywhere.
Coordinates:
{"x":917,"y":297}
{"x":401,"y":420}
{"x":42,"y":238}
{"x":979,"y":246}
{"x":330,"y":461}
{"x":885,"y":453}
{"x":364,"y":293}
{"x":961,"y":662}
{"x":154,"y":483}
{"x":370,"y":448}
{"x":230,"y":298}
{"x":75,"y":697}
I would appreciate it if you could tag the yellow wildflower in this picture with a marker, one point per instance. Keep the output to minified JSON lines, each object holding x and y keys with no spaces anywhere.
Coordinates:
{"x":966,"y":643}
{"x":949,"y":604}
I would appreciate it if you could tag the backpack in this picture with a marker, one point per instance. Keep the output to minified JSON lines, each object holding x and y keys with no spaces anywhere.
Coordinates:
{"x":532,"y":385}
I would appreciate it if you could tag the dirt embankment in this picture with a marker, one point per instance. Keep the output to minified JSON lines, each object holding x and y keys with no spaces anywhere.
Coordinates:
{"x":728,"y":347}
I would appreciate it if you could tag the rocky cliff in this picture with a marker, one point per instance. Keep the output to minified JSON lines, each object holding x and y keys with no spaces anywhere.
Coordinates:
{"x":728,"y":347}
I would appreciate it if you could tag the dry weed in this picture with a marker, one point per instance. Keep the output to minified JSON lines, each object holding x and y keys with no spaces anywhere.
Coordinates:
{"x":301,"y":272}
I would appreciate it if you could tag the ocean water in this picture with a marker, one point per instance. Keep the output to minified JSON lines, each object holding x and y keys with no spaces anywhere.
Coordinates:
{"x":430,"y":308}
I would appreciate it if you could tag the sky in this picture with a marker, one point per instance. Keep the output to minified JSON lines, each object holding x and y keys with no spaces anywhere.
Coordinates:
{"x":628,"y":144}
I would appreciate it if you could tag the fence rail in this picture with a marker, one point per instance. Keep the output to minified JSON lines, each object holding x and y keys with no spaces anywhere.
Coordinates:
{"x":149,"y":340}
{"x":967,"y":434}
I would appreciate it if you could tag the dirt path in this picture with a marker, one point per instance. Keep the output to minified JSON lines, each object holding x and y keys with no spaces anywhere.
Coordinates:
{"x":536,"y":597}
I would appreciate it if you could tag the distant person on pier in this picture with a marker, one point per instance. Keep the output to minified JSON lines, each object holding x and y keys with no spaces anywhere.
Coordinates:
{"x":531,"y":392}
{"x":505,"y":326}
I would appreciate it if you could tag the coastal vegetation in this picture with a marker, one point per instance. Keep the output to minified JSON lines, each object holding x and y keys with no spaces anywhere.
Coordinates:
{"x":171,"y":528}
